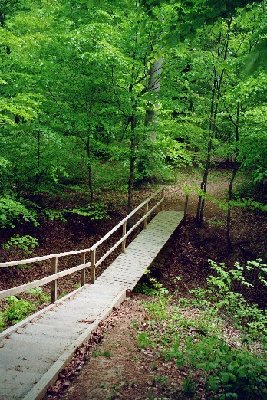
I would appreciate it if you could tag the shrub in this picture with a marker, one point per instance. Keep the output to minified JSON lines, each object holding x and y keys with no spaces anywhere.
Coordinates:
{"x":17,"y":310}
{"x":54,"y":214}
{"x":193,"y":336}
{"x":94,"y":211}
{"x":13,"y":212}
{"x":25,"y":243}
{"x":2,"y":321}
{"x":40,"y":295}
{"x":220,"y":289}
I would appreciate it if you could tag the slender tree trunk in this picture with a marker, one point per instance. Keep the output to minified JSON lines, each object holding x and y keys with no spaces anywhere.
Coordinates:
{"x":234,"y":173}
{"x":203,"y":185}
{"x":215,"y":99}
{"x":89,"y":170}
{"x":228,"y":217}
{"x":132,"y":163}
{"x":2,"y":19}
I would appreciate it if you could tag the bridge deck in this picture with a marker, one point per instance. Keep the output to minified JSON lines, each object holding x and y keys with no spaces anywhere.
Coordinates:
{"x":31,"y":355}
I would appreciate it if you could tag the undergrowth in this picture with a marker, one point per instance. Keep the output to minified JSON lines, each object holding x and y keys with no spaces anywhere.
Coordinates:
{"x":215,"y":333}
{"x":17,"y":309}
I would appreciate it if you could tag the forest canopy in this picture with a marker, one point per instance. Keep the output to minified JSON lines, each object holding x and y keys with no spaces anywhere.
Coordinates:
{"x":97,"y":95}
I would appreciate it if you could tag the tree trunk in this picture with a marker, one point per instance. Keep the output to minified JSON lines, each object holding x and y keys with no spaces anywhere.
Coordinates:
{"x":132,"y":163}
{"x":203,"y":185}
{"x":153,"y":87}
{"x":228,"y":217}
{"x":230,"y":189}
{"x":89,"y":170}
{"x":215,"y":98}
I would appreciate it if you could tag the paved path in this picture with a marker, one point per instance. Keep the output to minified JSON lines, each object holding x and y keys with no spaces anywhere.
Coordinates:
{"x":33,"y":353}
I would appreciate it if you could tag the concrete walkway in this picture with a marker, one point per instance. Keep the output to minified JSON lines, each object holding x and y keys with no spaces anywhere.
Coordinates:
{"x":32,"y":353}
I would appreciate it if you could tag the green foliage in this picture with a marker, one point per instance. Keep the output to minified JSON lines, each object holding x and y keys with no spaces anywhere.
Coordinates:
{"x":236,"y":373}
{"x":194,"y":339}
{"x":189,"y":387}
{"x":194,"y":332}
{"x":17,"y":310}
{"x":25,"y":243}
{"x":250,"y":204}
{"x":2,"y":321}
{"x":94,"y":211}
{"x":223,"y":204}
{"x":40,"y":295}
{"x":144,"y":340}
{"x":71,"y":82}
{"x":100,"y":353}
{"x":152,"y":288}
{"x":245,"y":315}
{"x":13,"y":212}
{"x":53,"y":214}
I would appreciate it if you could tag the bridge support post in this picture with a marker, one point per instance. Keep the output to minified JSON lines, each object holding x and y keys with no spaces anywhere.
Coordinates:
{"x":83,"y":270}
{"x":93,"y":253}
{"x":54,"y":270}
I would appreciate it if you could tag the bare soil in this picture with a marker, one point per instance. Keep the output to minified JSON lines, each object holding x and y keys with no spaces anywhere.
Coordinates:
{"x":118,"y":369}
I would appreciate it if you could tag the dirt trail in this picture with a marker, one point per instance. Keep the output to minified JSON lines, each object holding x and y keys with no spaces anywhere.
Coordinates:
{"x":119,"y":369}
{"x":117,"y":363}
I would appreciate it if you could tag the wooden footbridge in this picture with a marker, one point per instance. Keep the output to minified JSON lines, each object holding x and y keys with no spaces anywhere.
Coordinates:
{"x":33,"y":352}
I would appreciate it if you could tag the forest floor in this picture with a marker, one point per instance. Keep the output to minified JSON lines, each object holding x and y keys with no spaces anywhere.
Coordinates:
{"x":113,"y":366}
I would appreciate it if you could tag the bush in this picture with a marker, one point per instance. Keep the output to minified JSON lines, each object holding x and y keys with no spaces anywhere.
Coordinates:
{"x":53,"y":215}
{"x":25,"y":243}
{"x":13,"y":212}
{"x":94,"y":211}
{"x":2,"y":321}
{"x":17,"y":310}
{"x":195,"y":335}
{"x":40,"y":295}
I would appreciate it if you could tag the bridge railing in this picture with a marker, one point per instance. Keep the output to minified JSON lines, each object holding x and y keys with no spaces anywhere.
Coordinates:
{"x":93,"y":263}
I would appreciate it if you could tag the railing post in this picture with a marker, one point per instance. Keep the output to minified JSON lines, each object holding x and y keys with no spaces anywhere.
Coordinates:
{"x":83,"y":270}
{"x":146,"y":211}
{"x":162,"y":197}
{"x":93,"y":253}
{"x":124,"y":230}
{"x":54,"y":270}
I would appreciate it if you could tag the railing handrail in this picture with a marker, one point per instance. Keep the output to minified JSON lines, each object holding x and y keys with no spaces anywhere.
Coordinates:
{"x":55,"y":274}
{"x":75,"y":252}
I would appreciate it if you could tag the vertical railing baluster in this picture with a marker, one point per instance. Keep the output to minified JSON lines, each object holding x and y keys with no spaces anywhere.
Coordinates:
{"x":124,"y":231}
{"x":146,"y":211}
{"x":54,"y":270}
{"x":93,"y":255}
{"x":162,"y":197}
{"x":83,"y":270}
